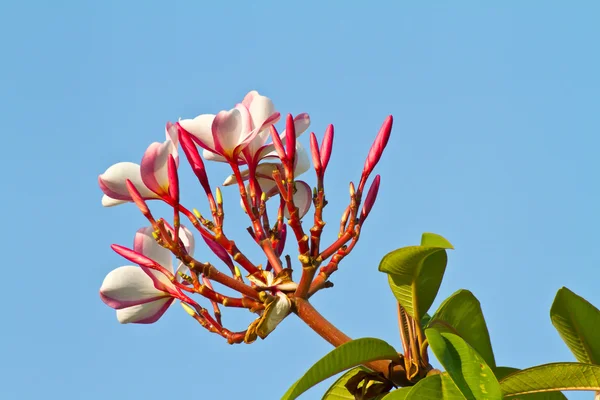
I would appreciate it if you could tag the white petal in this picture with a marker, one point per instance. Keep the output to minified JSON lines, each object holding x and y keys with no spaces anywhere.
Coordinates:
{"x":189,"y":243}
{"x":128,"y":286}
{"x":144,"y":313}
{"x":113,"y":182}
{"x":110,"y":202}
{"x":200,"y":127}
{"x":145,"y":244}
{"x":261,"y":108}
{"x":302,"y":161}
{"x":210,"y":156}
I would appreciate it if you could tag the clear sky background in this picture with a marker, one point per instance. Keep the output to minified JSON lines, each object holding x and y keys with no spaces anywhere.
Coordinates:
{"x":494,"y":146}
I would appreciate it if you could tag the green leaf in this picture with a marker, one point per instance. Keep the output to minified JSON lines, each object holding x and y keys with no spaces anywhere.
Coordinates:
{"x":415,"y":273}
{"x":425,"y":320}
{"x":552,"y":377}
{"x":469,"y":371}
{"x":338,"y":390}
{"x":346,"y":356}
{"x":434,"y":240}
{"x":578,"y":323}
{"x":461,"y":314}
{"x":503,"y":372}
{"x":434,"y":387}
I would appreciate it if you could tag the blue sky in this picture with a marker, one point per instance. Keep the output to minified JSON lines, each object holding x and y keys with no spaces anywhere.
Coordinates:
{"x":494,"y":146}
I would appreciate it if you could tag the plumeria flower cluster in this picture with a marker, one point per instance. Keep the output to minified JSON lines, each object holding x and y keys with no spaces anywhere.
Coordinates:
{"x":265,"y":165}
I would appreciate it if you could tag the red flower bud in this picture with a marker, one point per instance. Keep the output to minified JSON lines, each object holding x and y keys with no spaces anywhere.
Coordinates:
{"x":290,"y":137}
{"x":173,"y":179}
{"x":316,"y":156}
{"x":193,"y":157}
{"x":370,"y":199}
{"x":326,"y":146}
{"x":378,"y":146}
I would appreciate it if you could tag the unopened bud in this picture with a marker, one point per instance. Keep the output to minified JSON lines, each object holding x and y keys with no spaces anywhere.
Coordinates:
{"x":290,"y":137}
{"x":188,"y":309}
{"x":173,"y":179}
{"x":316,"y":155}
{"x":219,"y":197}
{"x":193,"y":157}
{"x":278,"y":144}
{"x":197,"y":213}
{"x":326,"y":147}
{"x":238,"y":274}
{"x":138,"y":199}
{"x":352,"y":190}
{"x":370,"y":199}
{"x":378,"y":146}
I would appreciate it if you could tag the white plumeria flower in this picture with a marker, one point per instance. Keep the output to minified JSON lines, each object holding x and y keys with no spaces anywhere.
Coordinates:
{"x":139,"y":294}
{"x":240,"y":135}
{"x":150,"y":178}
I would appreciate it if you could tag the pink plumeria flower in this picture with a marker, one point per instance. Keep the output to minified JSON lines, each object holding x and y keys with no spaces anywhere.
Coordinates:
{"x":139,"y":294}
{"x":150,"y":178}
{"x":238,"y":135}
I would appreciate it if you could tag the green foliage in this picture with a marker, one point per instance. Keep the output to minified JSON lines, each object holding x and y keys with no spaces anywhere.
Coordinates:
{"x":503,"y":372}
{"x":461,"y":314}
{"x":468,"y":370}
{"x":415,"y":273}
{"x":578,"y":323}
{"x":458,"y":336}
{"x":434,"y":387}
{"x":346,"y":356}
{"x":338,"y":390}
{"x":551,"y":377}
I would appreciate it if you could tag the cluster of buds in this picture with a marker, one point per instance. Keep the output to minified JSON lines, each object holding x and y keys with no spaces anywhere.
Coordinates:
{"x":262,"y":170}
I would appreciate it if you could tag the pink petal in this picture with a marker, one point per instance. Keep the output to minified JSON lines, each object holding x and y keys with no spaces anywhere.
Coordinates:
{"x":172,"y":134}
{"x":201,"y":130}
{"x":128,"y":286}
{"x":154,"y":170}
{"x":113,"y":183}
{"x":302,"y":199}
{"x":249,"y":97}
{"x":144,"y":313}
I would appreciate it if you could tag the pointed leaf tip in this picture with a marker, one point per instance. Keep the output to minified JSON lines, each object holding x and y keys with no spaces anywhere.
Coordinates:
{"x":434,"y":240}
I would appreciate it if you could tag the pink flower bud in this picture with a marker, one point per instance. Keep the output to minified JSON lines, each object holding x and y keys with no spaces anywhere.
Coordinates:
{"x":137,"y":198}
{"x":316,"y":156}
{"x":370,"y":199}
{"x":219,"y":252}
{"x":290,"y":137}
{"x":378,"y":146}
{"x":139,"y":259}
{"x":193,"y":157}
{"x":173,"y":179}
{"x":278,"y":144}
{"x":326,"y":146}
